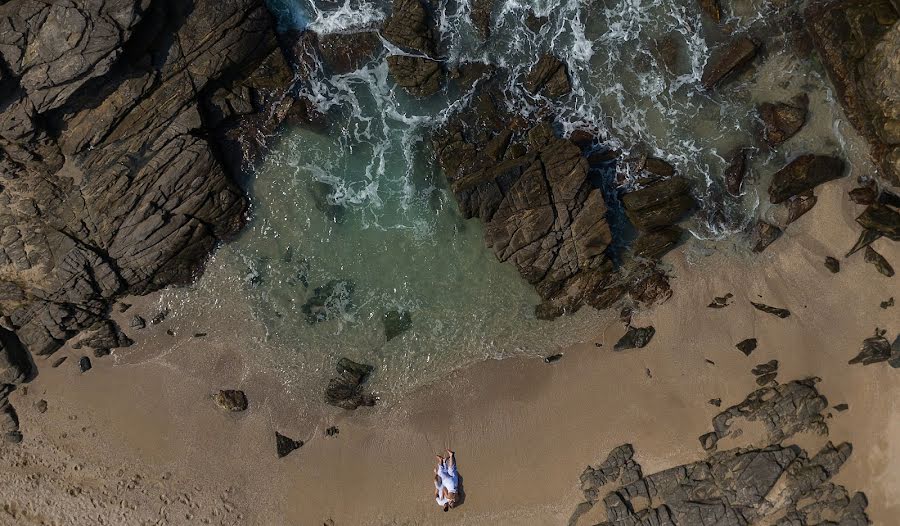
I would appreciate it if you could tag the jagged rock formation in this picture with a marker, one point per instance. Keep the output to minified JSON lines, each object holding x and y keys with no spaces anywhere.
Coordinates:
{"x":411,"y":28}
{"x":728,"y":60}
{"x":346,"y":389}
{"x":859,"y":43}
{"x":765,"y":483}
{"x":115,"y":117}
{"x":541,"y":211}
{"x":782,"y":120}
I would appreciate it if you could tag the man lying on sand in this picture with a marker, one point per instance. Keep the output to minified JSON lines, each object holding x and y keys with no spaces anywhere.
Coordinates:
{"x":446,"y":481}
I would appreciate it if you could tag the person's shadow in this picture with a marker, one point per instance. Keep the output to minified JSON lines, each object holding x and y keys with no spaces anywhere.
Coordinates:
{"x":461,"y":498}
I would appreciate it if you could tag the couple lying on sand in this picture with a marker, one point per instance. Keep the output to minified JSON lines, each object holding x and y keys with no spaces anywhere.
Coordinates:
{"x":446,"y":481}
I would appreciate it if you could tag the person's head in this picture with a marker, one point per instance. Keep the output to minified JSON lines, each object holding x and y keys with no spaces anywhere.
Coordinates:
{"x":446,"y":507}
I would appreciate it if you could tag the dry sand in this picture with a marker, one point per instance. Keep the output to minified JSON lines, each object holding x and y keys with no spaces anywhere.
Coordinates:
{"x":523,"y":429}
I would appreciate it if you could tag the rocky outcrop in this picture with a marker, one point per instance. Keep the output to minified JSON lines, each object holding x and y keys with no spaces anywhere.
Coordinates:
{"x":346,"y":389}
{"x":411,"y":29}
{"x":540,"y":210}
{"x":782,"y":120}
{"x":802,"y":174}
{"x":876,"y":349}
{"x":231,"y":400}
{"x":114,"y":122}
{"x":727,"y":60}
{"x":660,"y":204}
{"x":859,"y":44}
{"x":550,"y":77}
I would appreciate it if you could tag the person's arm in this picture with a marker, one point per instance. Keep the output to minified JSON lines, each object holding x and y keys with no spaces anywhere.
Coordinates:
{"x":437,"y":485}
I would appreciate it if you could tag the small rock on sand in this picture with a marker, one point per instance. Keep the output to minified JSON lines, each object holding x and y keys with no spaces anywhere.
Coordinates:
{"x":887,"y":303}
{"x":841,"y":407}
{"x":781,"y":313}
{"x":832,"y":264}
{"x":84,"y":364}
{"x":284,"y":445}
{"x":881,"y":264}
{"x":138,"y":323}
{"x":716,"y":402}
{"x":553,"y":358}
{"x":635,"y":338}
{"x":41,"y":406}
{"x":747,"y":346}
{"x":231,"y":400}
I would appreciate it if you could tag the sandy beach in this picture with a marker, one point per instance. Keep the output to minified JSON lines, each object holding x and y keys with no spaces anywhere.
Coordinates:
{"x":523,"y":429}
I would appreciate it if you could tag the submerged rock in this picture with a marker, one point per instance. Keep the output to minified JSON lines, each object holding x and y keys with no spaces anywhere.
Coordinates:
{"x":653,"y":245}
{"x":747,"y":346}
{"x":832,"y":264}
{"x":231,"y":400}
{"x":711,"y":8}
{"x":549,"y":76}
{"x":345,"y":390}
{"x":328,"y":300}
{"x":734,"y":173}
{"x":284,"y":445}
{"x":420,"y":76}
{"x":764,"y":235}
{"x":396,"y":322}
{"x":727,"y":60}
{"x":343,"y":53}
{"x":881,"y":264}
{"x":783,"y":120}
{"x":802,"y":174}
{"x":410,"y":28}
{"x":635,"y":338}
{"x":781,"y":313}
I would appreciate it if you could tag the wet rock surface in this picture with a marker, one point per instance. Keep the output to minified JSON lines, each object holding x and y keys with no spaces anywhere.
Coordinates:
{"x":863,"y":66}
{"x":410,"y":28}
{"x":635,"y":338}
{"x":803,"y":174}
{"x":346,"y":389}
{"x":764,"y":234}
{"x":396,"y":322}
{"x":284,"y":445}
{"x":775,"y":311}
{"x":549,"y":77}
{"x":876,"y":349}
{"x":879,"y":262}
{"x":782,"y":120}
{"x":728,"y":60}
{"x":747,"y":346}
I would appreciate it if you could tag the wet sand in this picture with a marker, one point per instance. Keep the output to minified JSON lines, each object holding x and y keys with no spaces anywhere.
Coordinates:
{"x":523,"y":429}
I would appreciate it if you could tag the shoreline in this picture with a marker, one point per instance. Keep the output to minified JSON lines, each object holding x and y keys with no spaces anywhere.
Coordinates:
{"x":523,"y":430}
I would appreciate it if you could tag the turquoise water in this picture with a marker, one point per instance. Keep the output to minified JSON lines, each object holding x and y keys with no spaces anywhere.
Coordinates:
{"x":364,"y":205}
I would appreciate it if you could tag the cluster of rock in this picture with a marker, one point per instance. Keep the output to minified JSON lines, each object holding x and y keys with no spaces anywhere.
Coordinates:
{"x":123,"y":127}
{"x":543,"y":210}
{"x":877,"y":349}
{"x":766,"y":483}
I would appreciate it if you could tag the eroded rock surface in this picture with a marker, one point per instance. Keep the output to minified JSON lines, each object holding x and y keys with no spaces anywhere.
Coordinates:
{"x":114,"y":119}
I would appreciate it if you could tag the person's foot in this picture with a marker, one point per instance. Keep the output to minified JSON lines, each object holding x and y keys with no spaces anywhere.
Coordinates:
{"x":450,"y":452}
{"x":440,"y":458}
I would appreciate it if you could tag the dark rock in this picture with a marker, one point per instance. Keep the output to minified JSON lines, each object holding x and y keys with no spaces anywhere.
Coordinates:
{"x":199,"y":335}
{"x":747,"y":346}
{"x":764,"y":379}
{"x":396,"y":323}
{"x":122,"y":306}
{"x":328,"y":300}
{"x":343,"y":53}
{"x":875,"y":349}
{"x":863,"y":195}
{"x":783,"y":120}
{"x":345,"y":390}
{"x":41,"y":406}
{"x":332,"y":431}
{"x":781,"y":313}
{"x":887,"y":303}
{"x":832,"y":264}
{"x":231,"y":400}
{"x":866,"y":238}
{"x":802,"y":174}
{"x":799,"y":205}
{"x":882,"y":219}
{"x":284,"y":445}
{"x":653,"y":245}
{"x":84,"y":364}
{"x":137,"y":323}
{"x":535,"y":23}
{"x":881,"y":264}
{"x":764,"y":235}
{"x":480,"y":14}
{"x":765,"y":368}
{"x":659,"y":167}
{"x":660,"y":204}
{"x":716,"y":402}
{"x":708,"y":441}
{"x":549,"y":76}
{"x":669,"y":52}
{"x":736,"y":170}
{"x":711,"y":8}
{"x":101,"y":352}
{"x":410,"y":27}
{"x":582,"y":138}
{"x":59,"y":361}
{"x":553,"y":358}
{"x":15,"y":364}
{"x":719,"y":302}
{"x":726,"y":60}
{"x":635,"y":338}
{"x":841,"y":407}
{"x":159,"y":317}
{"x":107,"y":336}
{"x":420,"y":76}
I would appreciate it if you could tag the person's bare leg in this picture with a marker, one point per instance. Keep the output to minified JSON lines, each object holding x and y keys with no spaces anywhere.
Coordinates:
{"x":451,"y":460}
{"x":439,"y":464}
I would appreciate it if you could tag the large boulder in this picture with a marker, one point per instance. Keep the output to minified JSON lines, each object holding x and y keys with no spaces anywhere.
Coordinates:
{"x":727,"y":60}
{"x":549,"y":76}
{"x":859,"y":44}
{"x":661,"y":204}
{"x":411,"y":28}
{"x":802,"y":174}
{"x":782,"y":120}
